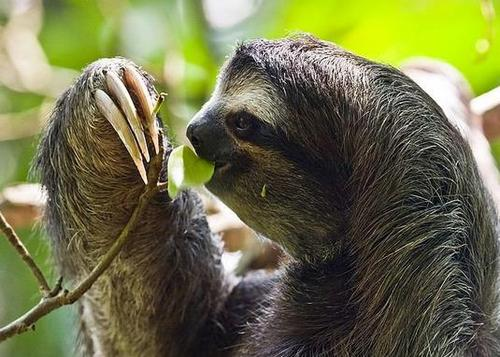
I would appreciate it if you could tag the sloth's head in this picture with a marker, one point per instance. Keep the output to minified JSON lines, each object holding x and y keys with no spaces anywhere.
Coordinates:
{"x":282,"y":129}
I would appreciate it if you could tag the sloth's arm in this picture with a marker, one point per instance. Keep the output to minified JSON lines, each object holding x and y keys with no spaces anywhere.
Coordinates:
{"x":166,"y":293}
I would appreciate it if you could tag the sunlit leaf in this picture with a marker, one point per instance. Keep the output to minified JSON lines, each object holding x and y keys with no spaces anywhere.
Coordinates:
{"x":185,"y":170}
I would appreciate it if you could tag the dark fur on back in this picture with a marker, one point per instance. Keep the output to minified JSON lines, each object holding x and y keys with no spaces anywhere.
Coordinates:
{"x":419,"y":252}
{"x":373,"y":193}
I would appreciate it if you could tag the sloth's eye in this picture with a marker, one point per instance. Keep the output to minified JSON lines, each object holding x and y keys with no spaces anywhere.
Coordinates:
{"x":244,"y":124}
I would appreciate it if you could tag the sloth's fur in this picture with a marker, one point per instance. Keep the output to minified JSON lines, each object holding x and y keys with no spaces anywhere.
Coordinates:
{"x":372,"y":192}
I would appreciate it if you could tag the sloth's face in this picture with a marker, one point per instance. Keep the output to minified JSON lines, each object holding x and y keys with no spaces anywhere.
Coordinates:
{"x":261,"y":173}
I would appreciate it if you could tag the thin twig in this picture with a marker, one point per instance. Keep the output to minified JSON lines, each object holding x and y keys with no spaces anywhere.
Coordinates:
{"x":13,"y":239}
{"x":64,"y":297}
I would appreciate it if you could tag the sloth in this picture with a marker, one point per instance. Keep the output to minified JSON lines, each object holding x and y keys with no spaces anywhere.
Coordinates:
{"x":389,"y":231}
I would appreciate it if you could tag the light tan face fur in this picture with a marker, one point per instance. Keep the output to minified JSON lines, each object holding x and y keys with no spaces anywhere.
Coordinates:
{"x":266,"y":189}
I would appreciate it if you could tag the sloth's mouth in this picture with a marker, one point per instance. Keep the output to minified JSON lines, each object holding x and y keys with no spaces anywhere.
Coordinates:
{"x":221,"y":166}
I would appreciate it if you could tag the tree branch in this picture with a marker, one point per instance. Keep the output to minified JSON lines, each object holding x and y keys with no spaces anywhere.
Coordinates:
{"x":58,"y":297}
{"x":13,"y":238}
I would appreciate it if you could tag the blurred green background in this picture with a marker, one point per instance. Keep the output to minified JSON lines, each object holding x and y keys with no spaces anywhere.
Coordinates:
{"x":44,"y":44}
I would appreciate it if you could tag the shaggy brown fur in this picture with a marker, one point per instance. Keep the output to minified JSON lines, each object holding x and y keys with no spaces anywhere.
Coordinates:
{"x":372,"y":192}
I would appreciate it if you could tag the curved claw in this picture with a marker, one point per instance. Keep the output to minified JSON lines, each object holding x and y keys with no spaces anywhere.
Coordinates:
{"x":117,"y":88}
{"x":115,"y":117}
{"x":136,"y":82}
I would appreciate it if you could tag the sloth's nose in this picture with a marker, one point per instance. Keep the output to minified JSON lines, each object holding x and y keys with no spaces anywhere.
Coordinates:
{"x":208,"y":137}
{"x":193,"y":135}
{"x":200,"y":135}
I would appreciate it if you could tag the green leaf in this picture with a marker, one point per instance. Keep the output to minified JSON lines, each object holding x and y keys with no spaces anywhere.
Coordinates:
{"x":185,"y":170}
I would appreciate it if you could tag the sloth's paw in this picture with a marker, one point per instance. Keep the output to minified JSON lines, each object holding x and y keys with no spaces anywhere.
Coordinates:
{"x":131,"y":109}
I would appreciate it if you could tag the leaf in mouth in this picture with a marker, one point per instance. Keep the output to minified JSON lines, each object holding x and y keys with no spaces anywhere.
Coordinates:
{"x":185,"y":170}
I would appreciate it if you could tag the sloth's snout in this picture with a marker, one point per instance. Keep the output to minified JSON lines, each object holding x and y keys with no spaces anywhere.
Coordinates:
{"x":200,"y":135}
{"x":195,"y":135}
{"x":209,"y":138}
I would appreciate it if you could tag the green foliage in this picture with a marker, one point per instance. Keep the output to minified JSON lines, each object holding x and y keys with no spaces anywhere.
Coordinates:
{"x":182,"y":49}
{"x":185,"y":170}
{"x":54,"y":335}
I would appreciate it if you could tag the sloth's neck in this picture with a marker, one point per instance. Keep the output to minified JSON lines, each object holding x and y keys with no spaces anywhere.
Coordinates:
{"x":309,"y":308}
{"x":401,"y":275}
{"x":358,"y":311}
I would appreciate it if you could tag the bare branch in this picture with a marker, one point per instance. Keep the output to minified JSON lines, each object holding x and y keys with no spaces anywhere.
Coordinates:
{"x":13,"y":238}
{"x":486,"y":102}
{"x":59,"y":297}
